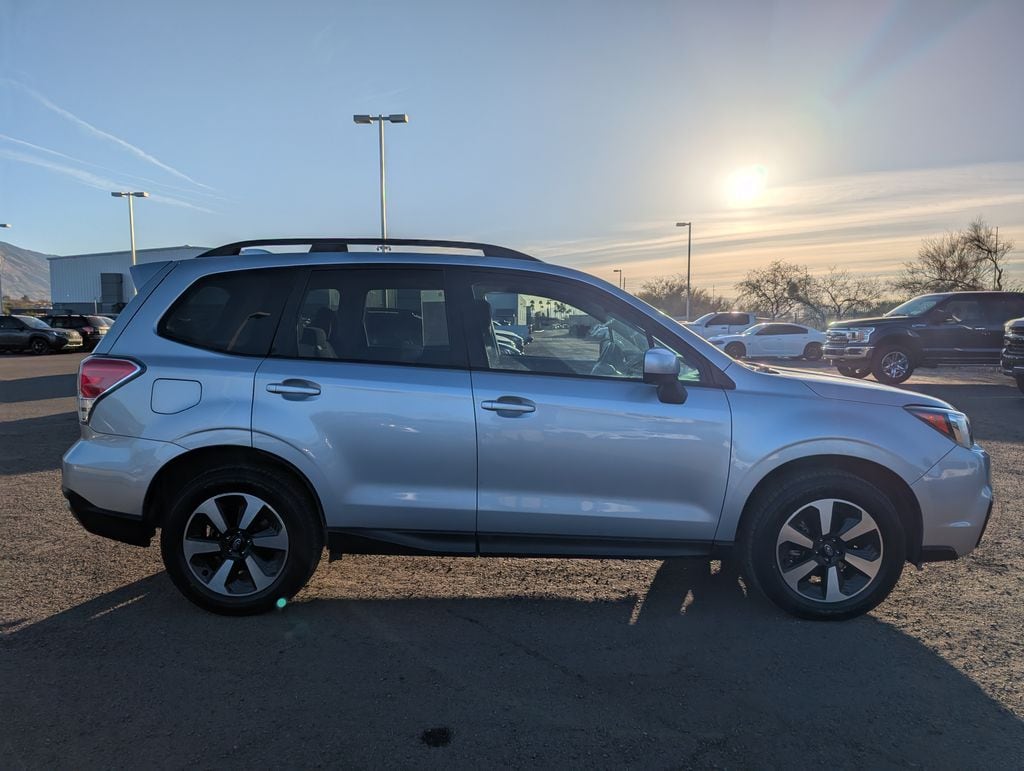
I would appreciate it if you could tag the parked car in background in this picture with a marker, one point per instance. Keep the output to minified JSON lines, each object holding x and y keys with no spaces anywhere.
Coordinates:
{"x":773,"y":339}
{"x":1012,"y":359}
{"x":420,"y":434}
{"x":91,"y":328}
{"x":728,"y":323}
{"x":27,"y":333}
{"x":927,"y":331}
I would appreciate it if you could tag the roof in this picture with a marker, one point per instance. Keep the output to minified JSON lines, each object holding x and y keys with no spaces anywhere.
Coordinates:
{"x":157,"y":250}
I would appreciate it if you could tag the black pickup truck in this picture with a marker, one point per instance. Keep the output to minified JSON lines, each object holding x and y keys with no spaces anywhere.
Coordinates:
{"x":933,"y":329}
{"x":1012,"y":360}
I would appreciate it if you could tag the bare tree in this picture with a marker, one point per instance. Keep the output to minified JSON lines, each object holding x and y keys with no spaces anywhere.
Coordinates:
{"x":837,"y":294}
{"x":668,"y":294}
{"x":983,"y":241}
{"x":776,"y":289}
{"x":944,"y":264}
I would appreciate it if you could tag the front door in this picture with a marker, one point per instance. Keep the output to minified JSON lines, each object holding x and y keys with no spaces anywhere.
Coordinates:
{"x":955,"y":331}
{"x":368,"y":383}
{"x":576,"y":453}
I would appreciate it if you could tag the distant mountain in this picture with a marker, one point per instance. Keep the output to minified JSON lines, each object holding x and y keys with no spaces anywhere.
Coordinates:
{"x":23,"y":272}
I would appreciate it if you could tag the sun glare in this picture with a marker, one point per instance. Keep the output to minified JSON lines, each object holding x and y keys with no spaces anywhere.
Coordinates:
{"x":746,"y":185}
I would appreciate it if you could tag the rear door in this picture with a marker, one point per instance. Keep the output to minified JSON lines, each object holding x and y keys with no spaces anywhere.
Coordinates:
{"x":368,"y":388}
{"x":963,"y":337}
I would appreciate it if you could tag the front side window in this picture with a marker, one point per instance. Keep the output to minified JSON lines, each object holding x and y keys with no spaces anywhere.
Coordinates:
{"x":387,"y":316}
{"x":564,"y":331}
{"x":234,"y":312}
{"x":967,"y":311}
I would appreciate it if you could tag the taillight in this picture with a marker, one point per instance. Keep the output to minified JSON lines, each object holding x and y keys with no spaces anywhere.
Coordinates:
{"x":98,"y":376}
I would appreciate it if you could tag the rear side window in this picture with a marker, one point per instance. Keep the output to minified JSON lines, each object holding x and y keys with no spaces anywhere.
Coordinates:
{"x":235,"y":312}
{"x":385,"y":316}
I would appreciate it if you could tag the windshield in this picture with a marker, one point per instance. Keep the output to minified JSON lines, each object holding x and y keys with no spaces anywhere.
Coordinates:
{"x":33,"y":322}
{"x":917,"y":306}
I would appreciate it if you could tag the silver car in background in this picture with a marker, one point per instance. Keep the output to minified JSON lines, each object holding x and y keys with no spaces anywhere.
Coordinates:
{"x":256,"y":408}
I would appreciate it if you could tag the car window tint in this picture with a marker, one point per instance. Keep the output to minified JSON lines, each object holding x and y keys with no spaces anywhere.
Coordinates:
{"x":563,"y":332}
{"x":6,"y":322}
{"x":738,"y":318}
{"x":384,"y":316}
{"x":966,"y":310}
{"x":791,"y":329}
{"x":723,"y":318}
{"x":234,"y":312}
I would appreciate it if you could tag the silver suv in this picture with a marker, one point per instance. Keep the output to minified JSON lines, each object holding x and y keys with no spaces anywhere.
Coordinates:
{"x":257,"y":406}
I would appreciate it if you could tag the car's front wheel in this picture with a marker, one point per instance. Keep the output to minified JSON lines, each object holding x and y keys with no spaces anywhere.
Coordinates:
{"x":892,"y":366}
{"x":736,"y":350}
{"x":240,"y":540}
{"x":824,"y":545}
{"x":39,"y":346}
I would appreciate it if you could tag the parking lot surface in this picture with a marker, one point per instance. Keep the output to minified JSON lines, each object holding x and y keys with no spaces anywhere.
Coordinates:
{"x":462,"y":661}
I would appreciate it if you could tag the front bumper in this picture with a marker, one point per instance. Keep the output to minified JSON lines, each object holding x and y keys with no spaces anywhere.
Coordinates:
{"x":956,"y":502}
{"x":65,"y":343}
{"x":1012,"y":365}
{"x":860,"y":353}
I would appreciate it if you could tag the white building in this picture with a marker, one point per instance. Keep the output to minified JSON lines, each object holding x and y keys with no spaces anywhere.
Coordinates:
{"x":88,"y":283}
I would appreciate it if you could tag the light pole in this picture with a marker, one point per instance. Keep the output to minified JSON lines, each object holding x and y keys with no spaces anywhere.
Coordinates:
{"x":622,"y":278}
{"x":131,"y":213}
{"x":380,"y":120}
{"x":689,"y":233}
{"x":2,"y":225}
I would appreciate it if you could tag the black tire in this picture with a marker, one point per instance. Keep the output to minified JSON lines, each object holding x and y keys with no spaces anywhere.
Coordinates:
{"x":812,"y":351}
{"x":853,"y":371}
{"x":787,"y":499}
{"x":1020,"y":383}
{"x":736,"y":350}
{"x":295,"y":513}
{"x":39,"y":346}
{"x":892,"y":365}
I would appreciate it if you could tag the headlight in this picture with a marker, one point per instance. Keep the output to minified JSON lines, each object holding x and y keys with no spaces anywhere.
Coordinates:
{"x":859,"y":334}
{"x":951,"y":423}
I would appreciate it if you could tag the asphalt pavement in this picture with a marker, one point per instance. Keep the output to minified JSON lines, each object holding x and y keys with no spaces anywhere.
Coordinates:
{"x":457,"y":662}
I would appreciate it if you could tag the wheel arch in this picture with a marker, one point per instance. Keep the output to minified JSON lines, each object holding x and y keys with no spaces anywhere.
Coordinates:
{"x":183,"y":467}
{"x":890,"y":483}
{"x":902,"y":338}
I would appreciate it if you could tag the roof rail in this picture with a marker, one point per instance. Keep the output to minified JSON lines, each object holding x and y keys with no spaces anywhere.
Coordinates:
{"x":342,"y":244}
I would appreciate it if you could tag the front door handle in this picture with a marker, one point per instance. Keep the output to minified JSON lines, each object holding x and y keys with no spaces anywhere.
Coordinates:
{"x":517,"y":407}
{"x":294,"y":388}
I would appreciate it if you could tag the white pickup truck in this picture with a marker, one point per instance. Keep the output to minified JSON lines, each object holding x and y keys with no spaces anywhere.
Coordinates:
{"x":726,"y":323}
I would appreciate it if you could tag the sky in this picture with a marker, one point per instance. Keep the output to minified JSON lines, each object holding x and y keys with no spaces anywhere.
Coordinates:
{"x":823,"y":133}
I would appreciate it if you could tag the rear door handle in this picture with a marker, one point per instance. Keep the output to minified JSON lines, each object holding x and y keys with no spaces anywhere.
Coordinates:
{"x":518,"y":407}
{"x":294,"y":388}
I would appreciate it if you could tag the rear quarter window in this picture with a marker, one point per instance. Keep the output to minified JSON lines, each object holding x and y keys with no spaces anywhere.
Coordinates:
{"x":236,"y":312}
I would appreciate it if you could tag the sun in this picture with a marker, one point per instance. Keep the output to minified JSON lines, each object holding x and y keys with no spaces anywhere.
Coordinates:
{"x":746,"y":185}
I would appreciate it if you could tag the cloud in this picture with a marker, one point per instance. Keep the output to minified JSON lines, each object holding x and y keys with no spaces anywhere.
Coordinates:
{"x":120,"y":174}
{"x":90,"y":179}
{"x":100,"y":133}
{"x":869,"y":223}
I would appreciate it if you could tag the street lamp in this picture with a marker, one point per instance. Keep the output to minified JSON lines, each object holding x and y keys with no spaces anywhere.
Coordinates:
{"x":689,"y":233}
{"x":2,"y":225}
{"x":131,"y":214}
{"x":622,"y":278}
{"x":380,"y":120}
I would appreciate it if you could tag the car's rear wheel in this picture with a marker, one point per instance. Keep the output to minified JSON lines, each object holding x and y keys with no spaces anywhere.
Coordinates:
{"x":853,"y":371}
{"x":39,"y":346}
{"x":812,"y":351}
{"x":892,"y":366}
{"x":824,"y":545}
{"x":736,"y":350}
{"x":241,"y":540}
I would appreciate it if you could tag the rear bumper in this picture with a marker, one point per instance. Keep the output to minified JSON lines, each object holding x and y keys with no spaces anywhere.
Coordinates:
{"x":860,"y":353}
{"x":109,"y":524}
{"x":956,"y":503}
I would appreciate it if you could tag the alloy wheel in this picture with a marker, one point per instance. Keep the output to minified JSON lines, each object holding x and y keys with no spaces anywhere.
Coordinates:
{"x":235,"y":544}
{"x":829,"y":550}
{"x":895,"y":364}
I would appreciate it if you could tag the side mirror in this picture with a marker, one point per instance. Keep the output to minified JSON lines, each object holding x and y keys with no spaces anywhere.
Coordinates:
{"x":661,"y":368}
